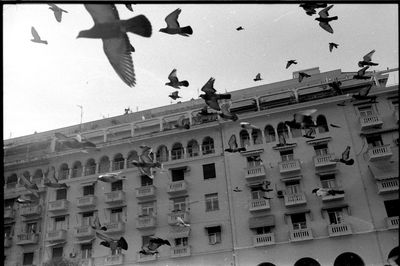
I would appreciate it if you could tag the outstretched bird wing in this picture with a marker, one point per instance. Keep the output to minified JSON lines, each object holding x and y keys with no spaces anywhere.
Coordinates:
{"x":361,"y":72}
{"x":368,"y":57}
{"x":35,"y":34}
{"x":365,"y":91}
{"x":104,"y":237}
{"x":346,"y":153}
{"x":324,"y":12}
{"x":172,"y":76}
{"x":232,"y":142}
{"x":51,"y":175}
{"x":326,"y":27}
{"x":307,"y":112}
{"x":225,"y":108}
{"x":172,"y":19}
{"x":208,"y":88}
{"x":258,"y":76}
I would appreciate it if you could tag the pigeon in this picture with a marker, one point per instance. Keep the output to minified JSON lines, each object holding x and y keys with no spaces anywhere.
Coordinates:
{"x":23,"y":200}
{"x":32,"y":187}
{"x":290,"y":62}
{"x":367,"y":60}
{"x":204,"y":111}
{"x":74,"y":142}
{"x":336,"y":87}
{"x":310,"y":7}
{"x":129,"y":6}
{"x":233,"y":146}
{"x":113,"y":32}
{"x":363,"y":94}
{"x":226,"y":112}
{"x":345,"y":157}
{"x":181,"y":123}
{"x":50,"y":179}
{"x":145,"y":163}
{"x":174,"y":95}
{"x":211,"y":97}
{"x":180,"y":222}
{"x":264,"y":186}
{"x":173,"y":25}
{"x":303,"y":75}
{"x":154,"y":244}
{"x":174,"y":82}
{"x":237,"y":189}
{"x":239,"y":28}
{"x":332,"y":45}
{"x":258,"y":77}
{"x":361,"y":74}
{"x":97,"y":226}
{"x":324,"y":19}
{"x":264,"y":197}
{"x":145,"y":252}
{"x":112,"y":243}
{"x":36,"y":37}
{"x":111,"y":177}
{"x":247,"y":125}
{"x":303,"y":120}
{"x":322,"y":192}
{"x":57,"y":11}
{"x":333,"y":125}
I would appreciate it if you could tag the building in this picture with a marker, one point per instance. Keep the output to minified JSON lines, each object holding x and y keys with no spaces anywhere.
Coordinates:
{"x":286,"y":226}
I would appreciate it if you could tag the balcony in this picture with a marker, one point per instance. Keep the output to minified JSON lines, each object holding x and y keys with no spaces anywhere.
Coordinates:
{"x":339,"y":229}
{"x":143,"y":258}
{"x":177,"y":187}
{"x":392,"y":222}
{"x":289,"y":166}
{"x":86,"y":262}
{"x":58,"y":205}
{"x":255,"y":173}
{"x":115,"y":227}
{"x":335,"y":197}
{"x":27,"y":239}
{"x":84,"y":232}
{"x":177,"y":252}
{"x":264,"y":240}
{"x":145,"y":222}
{"x":145,"y":192}
{"x":388,"y":185}
{"x":114,"y":260}
{"x":115,"y":196}
{"x":86,"y":201}
{"x":295,"y":199}
{"x":325,"y":160}
{"x":29,"y":211}
{"x":56,"y":235}
{"x":259,"y":205}
{"x":300,"y":235}
{"x":173,"y":215}
{"x":379,"y":153}
{"x":7,"y":242}
{"x":9,"y":214}
{"x":371,"y":121}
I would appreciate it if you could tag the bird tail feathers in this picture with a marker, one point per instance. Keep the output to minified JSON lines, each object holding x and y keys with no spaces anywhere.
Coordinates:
{"x":187,"y":30}
{"x":333,"y":18}
{"x":184,"y":83}
{"x":139,"y":25}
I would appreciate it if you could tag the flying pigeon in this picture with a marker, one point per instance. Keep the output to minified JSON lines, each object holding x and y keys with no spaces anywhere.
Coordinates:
{"x":310,"y":7}
{"x":258,"y":77}
{"x":290,"y":62}
{"x":363,"y":94}
{"x":174,"y":95}
{"x":173,"y":25}
{"x":367,"y":60}
{"x":303,"y":75}
{"x":111,"y":177}
{"x":361,"y":74}
{"x":322,"y":192}
{"x":226,"y":112}
{"x":211,"y":97}
{"x":74,"y":142}
{"x":50,"y":179}
{"x":97,"y":226}
{"x":332,"y":45}
{"x":333,"y":125}
{"x":233,"y":146}
{"x":113,"y":32}
{"x":36,"y":37}
{"x":145,"y":163}
{"x":239,"y":28}
{"x":345,"y":157}
{"x":129,"y":6}
{"x":180,"y":222}
{"x":23,"y":200}
{"x":181,"y":123}
{"x":237,"y":189}
{"x":324,"y":19}
{"x":247,"y":125}
{"x":174,"y":82}
{"x":57,"y":11}
{"x":155,"y":243}
{"x":303,"y":120}
{"x":112,"y":243}
{"x":147,"y":252}
{"x":264,"y":197}
{"x":336,"y":87}
{"x":264,"y":186}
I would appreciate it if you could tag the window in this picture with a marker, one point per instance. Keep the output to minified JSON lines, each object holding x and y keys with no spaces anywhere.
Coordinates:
{"x":64,"y":172}
{"x":322,"y":124}
{"x":87,"y":218}
{"x":256,"y":135}
{"x":162,"y":154}
{"x":118,"y":162}
{"x":299,"y":221}
{"x":77,"y":169}
{"x":335,"y":216}
{"x":209,"y":171}
{"x":146,"y":181}
{"x":116,"y":215}
{"x":253,"y":161}
{"x":86,"y":250}
{"x":179,"y":204}
{"x":104,"y":165}
{"x":293,"y":187}
{"x":207,"y":146}
{"x":59,"y":223}
{"x":58,"y":252}
{"x":31,"y":228}
{"x":391,"y":207}
{"x":212,"y":202}
{"x":27,"y":258}
{"x":365,"y":111}
{"x":244,"y":138}
{"x":178,"y":174}
{"x":177,"y":151}
{"x":7,"y":232}
{"x":256,"y":193}
{"x":321,"y":149}
{"x":61,"y":194}
{"x":328,"y":181}
{"x":9,"y":203}
{"x":282,"y":130}
{"x":214,"y":235}
{"x":133,"y":155}
{"x":287,"y":155}
{"x":116,"y":186}
{"x":374,"y":141}
{"x":193,"y":148}
{"x":90,"y":168}
{"x":88,"y":190}
{"x":263,"y":230}
{"x":12,"y":181}
{"x":269,"y":133}
{"x":147,"y":208}
{"x":181,"y":242}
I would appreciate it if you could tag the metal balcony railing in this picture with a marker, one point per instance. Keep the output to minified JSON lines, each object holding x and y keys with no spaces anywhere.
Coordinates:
{"x":177,"y":186}
{"x":27,"y":238}
{"x":86,"y":201}
{"x":30,"y":210}
{"x":58,"y":205}
{"x":324,"y":160}
{"x":118,"y":165}
{"x":114,"y":260}
{"x":144,"y":222}
{"x":392,"y":222}
{"x":84,"y":231}
{"x":142,"y":258}
{"x":173,"y":215}
{"x":388,"y":185}
{"x":115,"y":196}
{"x":60,"y":234}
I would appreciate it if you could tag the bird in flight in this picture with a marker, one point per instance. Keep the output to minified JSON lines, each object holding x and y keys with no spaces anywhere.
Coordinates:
{"x":24,"y":200}
{"x":113,"y":244}
{"x":247,"y":125}
{"x":173,"y":25}
{"x":336,"y":87}
{"x":75,"y":142}
{"x":233,"y":146}
{"x":211,"y":97}
{"x":322,"y":192}
{"x":367,"y":60}
{"x":50,"y":179}
{"x":303,"y":75}
{"x":174,"y":95}
{"x":258,"y":77}
{"x":332,"y":45}
{"x":129,"y":6}
{"x":182,"y":123}
{"x":237,"y":189}
{"x":145,"y":163}
{"x":290,"y":62}
{"x":113,"y":32}
{"x":180,"y":222}
{"x":239,"y":28}
{"x":310,"y":7}
{"x":174,"y":81}
{"x":96,"y":225}
{"x":361,"y":74}
{"x":226,"y":112}
{"x":324,"y":19}
{"x":363,"y":94}
{"x":32,"y":187}
{"x":111,"y":177}
{"x":345,"y":157}
{"x":153,"y":245}
{"x":303,"y":120}
{"x":57,"y":11}
{"x":36,"y":37}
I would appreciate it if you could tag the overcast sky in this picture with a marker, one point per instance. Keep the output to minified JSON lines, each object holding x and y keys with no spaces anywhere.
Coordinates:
{"x":43,"y":84}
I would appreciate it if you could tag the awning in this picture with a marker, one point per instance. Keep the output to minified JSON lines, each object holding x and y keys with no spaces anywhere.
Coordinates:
{"x":261,"y":221}
{"x":330,"y":172}
{"x":291,"y":178}
{"x":86,"y":241}
{"x":184,"y":168}
{"x":88,"y":183}
{"x":297,"y":211}
{"x":179,"y":232}
{"x":384,"y":170}
{"x":56,"y":244}
{"x":213,"y":225}
{"x":378,"y":131}
{"x":252,"y":152}
{"x":287,"y":146}
{"x":337,"y":206}
{"x":319,"y":141}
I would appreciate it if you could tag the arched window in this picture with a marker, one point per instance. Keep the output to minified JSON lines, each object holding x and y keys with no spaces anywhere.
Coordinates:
{"x":63,"y":172}
{"x":162,"y":154}
{"x":244,"y":138}
{"x":104,"y":165}
{"x":118,"y":162}
{"x":12,"y":181}
{"x":207,"y":147}
{"x":90,"y":168}
{"x":269,"y":133}
{"x":394,"y":256}
{"x":37,"y":177}
{"x":193,"y":148}
{"x":307,"y":262}
{"x":282,"y":130}
{"x":256,"y":135}
{"x":348,"y":259}
{"x":266,"y":264}
{"x":132,"y":155}
{"x":177,"y":151}
{"x":77,"y":169}
{"x":322,"y":124}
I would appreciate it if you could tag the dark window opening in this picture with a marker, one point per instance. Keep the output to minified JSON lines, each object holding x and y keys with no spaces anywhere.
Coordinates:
{"x":88,"y":190}
{"x":116,"y":186}
{"x":209,"y":171}
{"x":178,"y":175}
{"x":391,"y":207}
{"x":61,"y":194}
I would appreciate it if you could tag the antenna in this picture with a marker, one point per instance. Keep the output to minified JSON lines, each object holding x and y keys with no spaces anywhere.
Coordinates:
{"x":80,"y":125}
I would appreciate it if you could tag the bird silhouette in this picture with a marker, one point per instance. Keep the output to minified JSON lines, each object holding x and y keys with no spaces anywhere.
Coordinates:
{"x":76,"y":142}
{"x":211,"y":97}
{"x":173,"y":25}
{"x":50,"y":180}
{"x":335,"y":86}
{"x":258,"y":77}
{"x":129,"y":6}
{"x":145,"y":163}
{"x":332,"y":45}
{"x":247,"y":125}
{"x":182,"y":123}
{"x":113,"y":244}
{"x":96,"y":225}
{"x":333,"y":125}
{"x":367,"y":60}
{"x":239,"y":28}
{"x":303,"y":120}
{"x":174,"y":81}
{"x":233,"y":146}
{"x":57,"y":11}
{"x":345,"y":159}
{"x":24,"y":200}
{"x":180,"y":222}
{"x":113,"y":32}
{"x":174,"y":95}
{"x":310,"y":7}
{"x":32,"y":187}
{"x":36,"y":37}
{"x":324,"y":19}
{"x":363,"y":94}
{"x":226,"y":112}
{"x":237,"y":189}
{"x":322,"y":192}
{"x":290,"y":62}
{"x":111,"y":177}
{"x":303,"y":75}
{"x":361,"y":74}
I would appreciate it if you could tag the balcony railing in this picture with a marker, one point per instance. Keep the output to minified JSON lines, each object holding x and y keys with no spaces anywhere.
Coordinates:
{"x":31,"y":210}
{"x":84,"y":231}
{"x":289,"y":166}
{"x":115,"y":227}
{"x":388,"y":185}
{"x":7,"y":242}
{"x":255,"y":173}
{"x":115,"y":196}
{"x":324,"y":160}
{"x":264,"y":240}
{"x":58,"y":205}
{"x":300,"y":235}
{"x":259,"y":205}
{"x":114,"y":260}
{"x":177,"y":154}
{"x":145,"y":222}
{"x":145,"y":192}
{"x":295,"y":199}
{"x":143,"y":258}
{"x":56,"y":235}
{"x":118,"y":165}
{"x":341,"y":229}
{"x":379,"y":153}
{"x":392,"y":222}
{"x":90,"y":170}
{"x":177,"y":252}
{"x":27,"y":239}
{"x":177,"y":187}
{"x":86,"y":201}
{"x":370,"y":121}
{"x":173,"y":215}
{"x":9,"y":213}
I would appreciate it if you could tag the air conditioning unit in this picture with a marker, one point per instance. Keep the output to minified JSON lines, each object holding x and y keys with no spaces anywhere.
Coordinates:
{"x":280,"y":194}
{"x":212,"y":239}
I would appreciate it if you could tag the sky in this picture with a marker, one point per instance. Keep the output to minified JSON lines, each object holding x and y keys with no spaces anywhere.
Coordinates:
{"x":44,"y":84}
